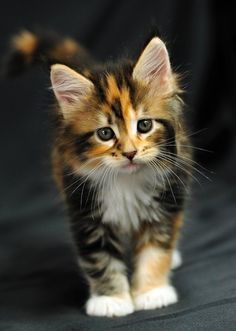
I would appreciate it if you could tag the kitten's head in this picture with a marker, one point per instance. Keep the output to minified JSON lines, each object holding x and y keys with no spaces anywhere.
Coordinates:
{"x":120,"y":117}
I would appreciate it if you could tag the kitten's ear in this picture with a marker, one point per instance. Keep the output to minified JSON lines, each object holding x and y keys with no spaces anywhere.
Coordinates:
{"x":153,"y":66}
{"x":69,"y":86}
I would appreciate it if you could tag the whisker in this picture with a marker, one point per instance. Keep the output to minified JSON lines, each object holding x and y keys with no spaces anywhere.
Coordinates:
{"x":78,"y":179}
{"x":181,"y":168}
{"x":87,"y":176}
{"x":188,"y":159}
{"x":170,"y":158}
{"x":81,"y":167}
{"x":155,"y":177}
{"x":176,"y":176}
{"x":157,"y":169}
{"x":186,"y":135}
{"x":164,"y":174}
{"x":189,"y":146}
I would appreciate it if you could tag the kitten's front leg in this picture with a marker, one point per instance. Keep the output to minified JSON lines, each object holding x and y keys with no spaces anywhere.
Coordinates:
{"x":153,"y":256}
{"x":101,"y":258}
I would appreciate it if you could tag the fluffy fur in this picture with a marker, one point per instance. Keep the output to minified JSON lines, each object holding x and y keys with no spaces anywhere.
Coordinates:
{"x":122,"y":161}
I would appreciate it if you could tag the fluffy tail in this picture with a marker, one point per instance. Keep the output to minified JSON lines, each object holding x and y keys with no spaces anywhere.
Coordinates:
{"x":28,"y":49}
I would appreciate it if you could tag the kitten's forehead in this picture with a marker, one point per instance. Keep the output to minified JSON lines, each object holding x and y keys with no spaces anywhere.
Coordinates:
{"x":119,"y":106}
{"x":118,"y":101}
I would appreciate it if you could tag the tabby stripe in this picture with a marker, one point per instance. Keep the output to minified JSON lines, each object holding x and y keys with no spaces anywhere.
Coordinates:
{"x":100,"y":86}
{"x":116,"y":108}
{"x":82,"y":144}
{"x":96,"y":273}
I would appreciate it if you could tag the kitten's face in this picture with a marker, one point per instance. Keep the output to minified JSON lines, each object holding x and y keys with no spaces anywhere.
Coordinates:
{"x":118,"y":120}
{"x":120,"y":134}
{"x":128,"y":136}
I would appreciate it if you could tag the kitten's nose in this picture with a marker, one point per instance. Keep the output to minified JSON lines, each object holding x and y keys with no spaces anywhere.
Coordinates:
{"x":129,"y":155}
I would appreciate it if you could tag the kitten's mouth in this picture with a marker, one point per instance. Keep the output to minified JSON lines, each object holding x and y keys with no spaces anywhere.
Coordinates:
{"x":131,"y":166}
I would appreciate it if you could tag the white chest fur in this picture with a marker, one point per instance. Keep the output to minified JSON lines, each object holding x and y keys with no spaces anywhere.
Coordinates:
{"x":129,"y":199}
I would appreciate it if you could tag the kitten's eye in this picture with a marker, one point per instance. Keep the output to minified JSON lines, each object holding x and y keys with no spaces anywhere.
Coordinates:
{"x":144,"y":126}
{"x":105,"y":134}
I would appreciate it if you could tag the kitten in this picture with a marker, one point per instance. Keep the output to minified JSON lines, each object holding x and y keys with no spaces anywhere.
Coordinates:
{"x":122,"y":161}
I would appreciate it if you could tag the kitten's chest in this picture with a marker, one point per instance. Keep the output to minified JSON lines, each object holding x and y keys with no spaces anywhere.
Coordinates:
{"x":129,"y":201}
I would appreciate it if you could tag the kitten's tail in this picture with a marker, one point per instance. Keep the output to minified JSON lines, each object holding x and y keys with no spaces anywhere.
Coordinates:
{"x":28,"y":49}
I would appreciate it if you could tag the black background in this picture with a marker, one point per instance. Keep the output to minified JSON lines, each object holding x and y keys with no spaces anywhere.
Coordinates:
{"x":39,"y":281}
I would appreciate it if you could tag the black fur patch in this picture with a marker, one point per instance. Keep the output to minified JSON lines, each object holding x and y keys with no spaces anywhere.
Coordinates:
{"x":79,"y":195}
{"x":82,"y":143}
{"x":100,"y":84}
{"x":172,"y":199}
{"x":116,"y":108}
{"x":109,"y":119}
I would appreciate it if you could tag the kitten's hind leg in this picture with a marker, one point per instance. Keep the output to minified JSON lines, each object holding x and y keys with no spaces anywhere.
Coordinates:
{"x":176,"y":260}
{"x":101,"y":259}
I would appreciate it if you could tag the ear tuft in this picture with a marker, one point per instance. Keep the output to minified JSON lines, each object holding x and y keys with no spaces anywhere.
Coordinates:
{"x":68,"y":85}
{"x":153,"y":66}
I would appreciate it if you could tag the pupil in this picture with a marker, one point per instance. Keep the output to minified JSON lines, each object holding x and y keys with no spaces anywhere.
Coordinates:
{"x":106,"y":132}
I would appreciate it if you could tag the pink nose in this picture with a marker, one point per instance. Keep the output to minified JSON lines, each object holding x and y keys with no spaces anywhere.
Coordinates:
{"x":129,"y":155}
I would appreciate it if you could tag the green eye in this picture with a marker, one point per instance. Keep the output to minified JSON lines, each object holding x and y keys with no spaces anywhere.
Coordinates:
{"x":144,"y":125}
{"x":105,"y":134}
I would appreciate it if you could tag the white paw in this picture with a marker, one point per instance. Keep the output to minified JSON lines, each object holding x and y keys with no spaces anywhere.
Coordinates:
{"x":157,"y":298}
{"x":109,"y":306}
{"x":176,"y":259}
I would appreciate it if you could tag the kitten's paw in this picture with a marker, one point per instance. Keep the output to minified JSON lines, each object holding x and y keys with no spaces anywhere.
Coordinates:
{"x":176,"y":259}
{"x":156,"y":298}
{"x":109,"y":306}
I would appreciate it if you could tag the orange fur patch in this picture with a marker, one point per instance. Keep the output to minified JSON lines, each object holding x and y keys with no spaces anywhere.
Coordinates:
{"x":26,"y":42}
{"x":125,"y":102}
{"x":152,"y":269}
{"x":177,"y":224}
{"x":67,"y":48}
{"x":152,"y":261}
{"x":97,"y":150}
{"x":113,"y":91}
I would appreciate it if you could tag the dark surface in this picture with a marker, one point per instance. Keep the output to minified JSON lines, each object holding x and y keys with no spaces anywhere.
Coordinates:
{"x":40,"y":285}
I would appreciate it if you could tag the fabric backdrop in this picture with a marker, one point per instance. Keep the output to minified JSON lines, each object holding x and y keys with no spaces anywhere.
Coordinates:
{"x":40,"y":285}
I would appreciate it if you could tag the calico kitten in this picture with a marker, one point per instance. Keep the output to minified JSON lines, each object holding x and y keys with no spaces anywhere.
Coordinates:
{"x":118,"y":160}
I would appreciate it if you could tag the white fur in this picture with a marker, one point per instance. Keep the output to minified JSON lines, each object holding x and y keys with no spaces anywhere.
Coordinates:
{"x":109,"y":306}
{"x":133,"y":127}
{"x":156,"y":298}
{"x":176,"y":259}
{"x":129,"y":199}
{"x":117,"y":266}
